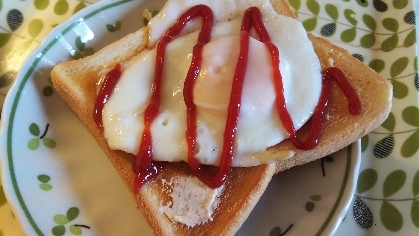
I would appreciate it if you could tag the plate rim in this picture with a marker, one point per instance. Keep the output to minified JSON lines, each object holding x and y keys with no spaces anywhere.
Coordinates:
{"x":25,"y":74}
{"x":14,"y":95}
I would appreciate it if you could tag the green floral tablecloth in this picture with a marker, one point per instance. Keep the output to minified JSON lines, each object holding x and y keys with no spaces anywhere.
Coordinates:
{"x":382,"y":34}
{"x":23,"y":25}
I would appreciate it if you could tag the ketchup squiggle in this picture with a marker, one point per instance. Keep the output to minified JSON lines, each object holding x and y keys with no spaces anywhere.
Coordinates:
{"x":144,"y":158}
{"x":145,"y":168}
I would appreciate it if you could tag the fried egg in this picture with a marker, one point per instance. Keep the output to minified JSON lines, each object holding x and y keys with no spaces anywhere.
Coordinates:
{"x":259,"y":126}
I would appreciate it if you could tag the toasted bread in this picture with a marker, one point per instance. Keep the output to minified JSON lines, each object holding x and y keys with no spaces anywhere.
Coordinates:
{"x":75,"y":82}
{"x":339,"y":127}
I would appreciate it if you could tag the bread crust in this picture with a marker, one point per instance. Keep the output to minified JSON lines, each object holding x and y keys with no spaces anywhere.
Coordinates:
{"x":75,"y":82}
{"x":340,"y":128}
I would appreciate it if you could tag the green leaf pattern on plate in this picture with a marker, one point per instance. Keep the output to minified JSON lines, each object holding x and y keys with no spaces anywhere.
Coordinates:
{"x":34,"y":129}
{"x":44,"y":185}
{"x":385,"y":41}
{"x":35,"y":141}
{"x":81,"y":49}
{"x":311,"y":204}
{"x":62,"y":220}
{"x":278,"y":231}
{"x":275,"y":231}
{"x":114,"y":27}
{"x":48,"y":89}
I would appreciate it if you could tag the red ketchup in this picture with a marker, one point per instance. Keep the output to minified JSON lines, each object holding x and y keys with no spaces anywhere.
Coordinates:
{"x":144,"y":167}
{"x":104,"y":94}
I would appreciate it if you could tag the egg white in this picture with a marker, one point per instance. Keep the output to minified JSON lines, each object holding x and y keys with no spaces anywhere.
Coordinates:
{"x":259,"y":126}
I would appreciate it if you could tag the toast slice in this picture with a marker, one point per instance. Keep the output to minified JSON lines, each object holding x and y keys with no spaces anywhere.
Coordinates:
{"x":75,"y":82}
{"x":339,"y":127}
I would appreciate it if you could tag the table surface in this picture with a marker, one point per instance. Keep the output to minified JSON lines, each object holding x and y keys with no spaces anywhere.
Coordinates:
{"x":23,"y":42}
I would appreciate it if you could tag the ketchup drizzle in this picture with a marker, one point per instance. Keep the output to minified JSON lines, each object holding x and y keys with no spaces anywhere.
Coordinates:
{"x":316,"y":120}
{"x":144,"y":160}
{"x":144,"y":167}
{"x":105,"y":91}
{"x":252,"y":18}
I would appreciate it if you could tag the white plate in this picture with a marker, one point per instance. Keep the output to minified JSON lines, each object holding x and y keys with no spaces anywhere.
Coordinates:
{"x":59,"y":181}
